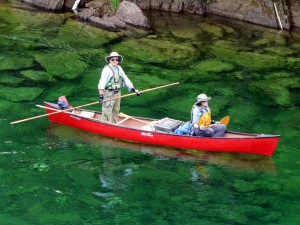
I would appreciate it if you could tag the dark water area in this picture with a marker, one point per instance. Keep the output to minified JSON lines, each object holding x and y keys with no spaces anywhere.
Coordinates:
{"x":51,"y":174}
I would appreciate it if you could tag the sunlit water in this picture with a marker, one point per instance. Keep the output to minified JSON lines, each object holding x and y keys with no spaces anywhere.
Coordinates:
{"x":51,"y":174}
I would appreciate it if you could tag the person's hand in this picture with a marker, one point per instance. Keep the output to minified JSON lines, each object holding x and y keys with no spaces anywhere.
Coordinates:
{"x":215,"y":122}
{"x":136,"y":91}
{"x":101,"y":97}
{"x":195,"y":125}
{"x":202,"y":127}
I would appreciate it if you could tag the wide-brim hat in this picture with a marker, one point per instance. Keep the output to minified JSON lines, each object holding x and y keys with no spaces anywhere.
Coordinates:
{"x":114,"y":54}
{"x":202,"y":98}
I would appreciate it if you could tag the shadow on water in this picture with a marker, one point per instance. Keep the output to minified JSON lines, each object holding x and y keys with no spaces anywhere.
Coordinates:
{"x":238,"y":161}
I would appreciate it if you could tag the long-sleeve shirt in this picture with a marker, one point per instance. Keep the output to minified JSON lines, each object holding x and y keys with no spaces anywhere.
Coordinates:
{"x":106,"y":75}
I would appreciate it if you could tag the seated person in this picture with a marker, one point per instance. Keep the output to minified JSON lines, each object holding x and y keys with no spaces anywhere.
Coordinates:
{"x":201,"y":120}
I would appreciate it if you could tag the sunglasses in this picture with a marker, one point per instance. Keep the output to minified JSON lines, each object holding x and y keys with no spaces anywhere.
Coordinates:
{"x":114,"y":60}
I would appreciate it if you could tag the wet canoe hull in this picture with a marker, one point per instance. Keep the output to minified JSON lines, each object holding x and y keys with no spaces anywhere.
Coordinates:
{"x":238,"y":143}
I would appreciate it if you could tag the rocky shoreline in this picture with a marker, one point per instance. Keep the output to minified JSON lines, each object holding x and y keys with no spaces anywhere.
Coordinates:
{"x":267,"y":13}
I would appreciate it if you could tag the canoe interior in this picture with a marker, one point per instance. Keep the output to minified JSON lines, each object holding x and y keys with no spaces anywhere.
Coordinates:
{"x":140,"y":123}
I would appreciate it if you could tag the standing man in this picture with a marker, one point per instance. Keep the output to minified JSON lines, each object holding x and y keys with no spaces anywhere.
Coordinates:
{"x":201,"y":119}
{"x":111,"y":81}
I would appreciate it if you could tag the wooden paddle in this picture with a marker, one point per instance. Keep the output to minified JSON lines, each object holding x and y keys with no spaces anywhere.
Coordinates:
{"x":93,"y":103}
{"x":130,"y":117}
{"x":225,"y":120}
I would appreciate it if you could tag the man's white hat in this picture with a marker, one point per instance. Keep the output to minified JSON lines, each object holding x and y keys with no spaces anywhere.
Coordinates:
{"x":114,"y":54}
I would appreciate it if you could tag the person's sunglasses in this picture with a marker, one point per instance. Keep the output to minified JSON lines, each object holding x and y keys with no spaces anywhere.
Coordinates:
{"x":114,"y":60}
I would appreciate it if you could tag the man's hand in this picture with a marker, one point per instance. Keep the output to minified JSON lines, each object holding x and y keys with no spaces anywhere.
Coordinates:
{"x":136,"y":91}
{"x":101,"y":98}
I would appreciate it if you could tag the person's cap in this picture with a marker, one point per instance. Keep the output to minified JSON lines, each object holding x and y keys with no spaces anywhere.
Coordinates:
{"x":114,"y":54}
{"x":202,"y":98}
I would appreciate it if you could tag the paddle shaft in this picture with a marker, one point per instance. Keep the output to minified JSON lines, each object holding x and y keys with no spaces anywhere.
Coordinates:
{"x":130,"y":117}
{"x":93,"y":103}
{"x":121,"y":114}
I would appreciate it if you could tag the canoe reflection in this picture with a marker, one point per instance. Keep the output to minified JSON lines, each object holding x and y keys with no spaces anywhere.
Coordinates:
{"x":240,"y":161}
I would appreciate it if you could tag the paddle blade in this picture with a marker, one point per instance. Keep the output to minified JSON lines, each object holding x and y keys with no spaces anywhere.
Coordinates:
{"x":225,"y":120}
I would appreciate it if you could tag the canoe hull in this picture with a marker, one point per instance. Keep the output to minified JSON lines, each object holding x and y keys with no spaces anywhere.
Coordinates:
{"x":248,"y":143}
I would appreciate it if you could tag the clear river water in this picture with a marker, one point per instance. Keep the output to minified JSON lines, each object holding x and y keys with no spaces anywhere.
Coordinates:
{"x":52,"y":174}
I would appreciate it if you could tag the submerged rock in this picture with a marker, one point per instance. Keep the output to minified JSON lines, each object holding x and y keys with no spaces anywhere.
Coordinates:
{"x":77,"y":35}
{"x":212,"y":66}
{"x":159,"y":51}
{"x":10,"y":79}
{"x":38,"y":76}
{"x":20,"y":93}
{"x":63,"y":64}
{"x":15,"y":62}
{"x":275,"y":92}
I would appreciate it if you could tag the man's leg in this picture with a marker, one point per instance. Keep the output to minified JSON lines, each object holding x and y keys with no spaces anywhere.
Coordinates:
{"x":107,"y":107}
{"x":116,"y":107}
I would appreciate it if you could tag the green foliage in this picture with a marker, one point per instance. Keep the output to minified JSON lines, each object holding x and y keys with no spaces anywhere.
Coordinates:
{"x":114,"y":4}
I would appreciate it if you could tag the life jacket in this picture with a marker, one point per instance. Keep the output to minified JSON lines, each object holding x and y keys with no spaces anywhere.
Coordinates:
{"x":205,"y":118}
{"x":116,"y":81}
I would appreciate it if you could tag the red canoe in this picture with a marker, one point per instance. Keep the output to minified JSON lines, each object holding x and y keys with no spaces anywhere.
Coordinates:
{"x":133,"y":129}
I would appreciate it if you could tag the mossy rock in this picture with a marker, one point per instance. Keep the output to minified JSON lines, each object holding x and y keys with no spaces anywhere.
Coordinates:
{"x":252,"y":60}
{"x":31,"y":19}
{"x":212,"y":66}
{"x":38,"y":76}
{"x":61,"y":89}
{"x":185,"y":32}
{"x":227,"y":29}
{"x":293,"y":63}
{"x":94,"y":57}
{"x":260,"y":42}
{"x":76,"y":34}
{"x":214,"y":30}
{"x":15,"y":62}
{"x":91,"y":79}
{"x":10,"y":79}
{"x":243,"y":114}
{"x":296,"y":46}
{"x":280,"y":50}
{"x":63,"y":64}
{"x":20,"y":93}
{"x":274,"y":92}
{"x":157,"y":52}
{"x":276,"y":75}
{"x":274,"y":37}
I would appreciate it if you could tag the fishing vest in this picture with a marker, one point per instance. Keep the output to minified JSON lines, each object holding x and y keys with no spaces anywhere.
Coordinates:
{"x":116,"y":81}
{"x":205,"y":119}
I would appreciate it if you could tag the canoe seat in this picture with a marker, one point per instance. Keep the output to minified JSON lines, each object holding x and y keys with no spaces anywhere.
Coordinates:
{"x":87,"y":114}
{"x":149,"y":127}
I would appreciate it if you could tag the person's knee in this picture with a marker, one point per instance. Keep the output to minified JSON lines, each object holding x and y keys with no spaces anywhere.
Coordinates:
{"x":208,"y":132}
{"x":222,"y":127}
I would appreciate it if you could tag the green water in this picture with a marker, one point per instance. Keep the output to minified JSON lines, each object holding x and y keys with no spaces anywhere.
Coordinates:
{"x":50,"y":174}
